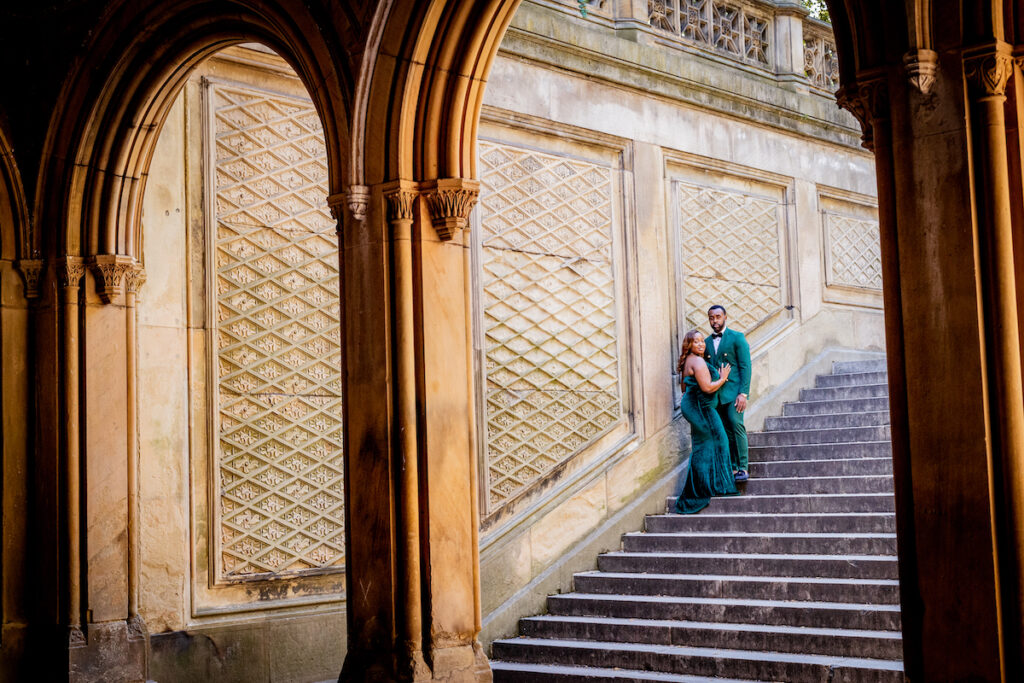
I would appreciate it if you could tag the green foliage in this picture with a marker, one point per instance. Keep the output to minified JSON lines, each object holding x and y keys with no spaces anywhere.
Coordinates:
{"x":819,"y":10}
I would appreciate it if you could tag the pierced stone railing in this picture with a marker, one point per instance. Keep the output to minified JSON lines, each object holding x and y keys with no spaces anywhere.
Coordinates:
{"x":774,"y":36}
{"x":821,"y":62}
{"x":730,"y":28}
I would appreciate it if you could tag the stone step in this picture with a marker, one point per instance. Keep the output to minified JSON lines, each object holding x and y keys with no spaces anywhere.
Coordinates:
{"x":822,"y":451}
{"x":838,"y":467}
{"x":751,"y":637}
{"x":815,"y":436}
{"x":676,"y":659}
{"x":845,"y":392}
{"x":744,"y":611}
{"x":772,"y":544}
{"x":780,"y":504}
{"x":736,"y":564}
{"x":851,"y":379}
{"x":827,"y":421}
{"x":844,"y":405}
{"x":525,"y":672}
{"x":879,"y":591}
{"x":835,"y":522}
{"x":843,"y":367}
{"x":809,"y":485}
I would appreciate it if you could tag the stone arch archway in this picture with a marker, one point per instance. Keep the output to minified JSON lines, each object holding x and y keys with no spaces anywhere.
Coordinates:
{"x":95,"y":165}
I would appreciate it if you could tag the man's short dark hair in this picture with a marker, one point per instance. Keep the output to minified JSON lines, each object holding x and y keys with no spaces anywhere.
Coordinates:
{"x":720,"y":307}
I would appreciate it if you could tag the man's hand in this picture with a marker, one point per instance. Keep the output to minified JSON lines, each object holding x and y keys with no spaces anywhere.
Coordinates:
{"x":741,"y":403}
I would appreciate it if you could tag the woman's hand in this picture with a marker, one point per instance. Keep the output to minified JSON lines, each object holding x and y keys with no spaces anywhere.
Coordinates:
{"x":723,"y":372}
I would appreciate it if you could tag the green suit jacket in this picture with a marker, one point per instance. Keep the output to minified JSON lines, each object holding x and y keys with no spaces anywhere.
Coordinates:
{"x":734,"y":350}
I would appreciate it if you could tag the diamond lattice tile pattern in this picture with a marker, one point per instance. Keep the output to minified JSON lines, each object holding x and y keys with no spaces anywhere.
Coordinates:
{"x":854,"y":251}
{"x":551,"y":351}
{"x":730,"y":255}
{"x":278,"y":354}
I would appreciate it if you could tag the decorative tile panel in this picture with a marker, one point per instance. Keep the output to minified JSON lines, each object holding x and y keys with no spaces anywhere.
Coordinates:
{"x":279,"y":461}
{"x":730,"y":255}
{"x":727,"y":28}
{"x":854,"y":251}
{"x":550,"y":336}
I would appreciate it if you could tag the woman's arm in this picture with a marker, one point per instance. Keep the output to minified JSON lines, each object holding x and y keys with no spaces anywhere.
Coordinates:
{"x":703,"y":375}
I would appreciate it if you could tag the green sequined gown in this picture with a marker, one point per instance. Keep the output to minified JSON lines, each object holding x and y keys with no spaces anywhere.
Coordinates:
{"x":710,"y":471}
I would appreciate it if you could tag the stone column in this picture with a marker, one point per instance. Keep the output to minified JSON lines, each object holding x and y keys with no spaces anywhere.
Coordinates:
{"x":448,"y":488}
{"x":987,"y":69}
{"x":401,"y":199}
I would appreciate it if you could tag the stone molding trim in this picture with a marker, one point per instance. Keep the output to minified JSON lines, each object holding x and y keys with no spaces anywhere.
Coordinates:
{"x":921,"y":66}
{"x":70,"y":271}
{"x":110,"y":271}
{"x":450,"y":200}
{"x":31,"y":273}
{"x":988,"y":69}
{"x":400,"y":197}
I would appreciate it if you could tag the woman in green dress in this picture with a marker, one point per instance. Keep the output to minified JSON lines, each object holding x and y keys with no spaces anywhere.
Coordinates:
{"x":710,"y":471}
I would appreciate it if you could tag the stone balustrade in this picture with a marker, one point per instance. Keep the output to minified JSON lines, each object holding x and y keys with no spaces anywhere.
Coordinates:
{"x":779,"y":37}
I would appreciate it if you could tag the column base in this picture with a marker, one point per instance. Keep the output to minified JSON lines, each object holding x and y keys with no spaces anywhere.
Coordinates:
{"x":459,"y":664}
{"x":112,"y":651}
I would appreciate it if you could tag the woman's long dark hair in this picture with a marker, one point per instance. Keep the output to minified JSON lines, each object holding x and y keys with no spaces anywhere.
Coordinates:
{"x":687,"y":349}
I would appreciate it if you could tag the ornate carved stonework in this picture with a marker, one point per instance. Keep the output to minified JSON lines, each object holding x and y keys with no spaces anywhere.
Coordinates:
{"x":450,"y":201}
{"x":400,"y":203}
{"x":279,"y":460}
{"x":868,"y":101}
{"x":134,"y":280}
{"x":550,"y":322}
{"x":70,"y":271}
{"x":732,"y":253}
{"x":853,"y":251}
{"x":110,"y":271}
{"x":76,"y":638}
{"x":358,"y":199}
{"x":31,"y":273}
{"x":921,"y":66}
{"x":988,"y":69}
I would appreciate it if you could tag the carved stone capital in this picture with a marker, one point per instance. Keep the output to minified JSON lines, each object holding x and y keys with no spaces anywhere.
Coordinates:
{"x":357,"y":197}
{"x":987,"y":69}
{"x":134,"y":280}
{"x":110,"y":271}
{"x":450,"y":200}
{"x":31,"y":273}
{"x":400,"y":198}
{"x":70,"y":271}
{"x":868,"y":100}
{"x":922,"y":66}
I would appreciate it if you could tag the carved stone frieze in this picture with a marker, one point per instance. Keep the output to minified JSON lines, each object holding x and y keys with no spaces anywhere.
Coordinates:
{"x":110,"y":271}
{"x":70,"y":271}
{"x":31,"y":273}
{"x":450,"y":200}
{"x":988,"y":70}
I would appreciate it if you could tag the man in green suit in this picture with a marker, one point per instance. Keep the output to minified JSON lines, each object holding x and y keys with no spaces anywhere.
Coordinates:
{"x":729,"y":346}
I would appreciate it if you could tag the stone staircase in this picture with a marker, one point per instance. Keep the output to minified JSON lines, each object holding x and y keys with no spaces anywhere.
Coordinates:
{"x":795,"y":580}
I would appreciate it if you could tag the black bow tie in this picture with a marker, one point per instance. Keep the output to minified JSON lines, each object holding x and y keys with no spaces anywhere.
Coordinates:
{"x":717,"y":335}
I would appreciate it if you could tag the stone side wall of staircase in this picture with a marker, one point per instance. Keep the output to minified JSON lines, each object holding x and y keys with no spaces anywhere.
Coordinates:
{"x":795,"y":580}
